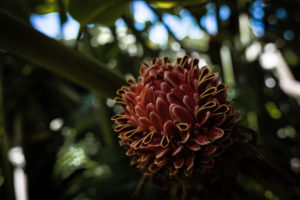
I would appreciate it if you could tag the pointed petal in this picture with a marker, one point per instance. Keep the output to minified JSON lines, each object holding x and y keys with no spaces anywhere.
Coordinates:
{"x":208,"y":92}
{"x":221,"y":92}
{"x":130,"y":152}
{"x":195,"y":62}
{"x":153,"y":168}
{"x":203,"y":72}
{"x":172,"y":78}
{"x":172,"y":171}
{"x":201,"y":140}
{"x":148,"y":138}
{"x":172,"y":99}
{"x":156,"y":121}
{"x":144,"y":122}
{"x":215,"y":133}
{"x":140,"y":112}
{"x":188,"y":102}
{"x":209,"y":150}
{"x":189,"y":162}
{"x":194,"y":147}
{"x":178,"y":162}
{"x":178,"y":93}
{"x":165,"y":141}
{"x":169,"y":128}
{"x":186,"y":88}
{"x":162,"y":152}
{"x":165,"y":87}
{"x":184,"y":137}
{"x":137,"y":144}
{"x":161,"y":162}
{"x":134,"y":160}
{"x":188,"y":173}
{"x":177,"y":150}
{"x":149,"y":108}
{"x":182,"y":115}
{"x":182,"y":127}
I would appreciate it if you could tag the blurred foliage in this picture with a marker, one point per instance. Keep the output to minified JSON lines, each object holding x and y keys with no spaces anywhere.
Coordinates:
{"x":70,"y":149}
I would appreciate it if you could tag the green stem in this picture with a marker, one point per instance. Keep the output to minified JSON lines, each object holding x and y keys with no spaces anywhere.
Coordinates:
{"x":7,"y":189}
{"x":19,"y":38}
{"x":105,"y":121}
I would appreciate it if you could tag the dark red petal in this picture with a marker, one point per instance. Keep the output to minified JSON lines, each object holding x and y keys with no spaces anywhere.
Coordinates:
{"x":156,"y":121}
{"x":140,"y":111}
{"x":155,"y":61}
{"x":189,"y":162}
{"x":205,"y":81}
{"x":149,"y":108}
{"x":165,"y":87}
{"x":144,"y":159}
{"x":153,"y":168}
{"x":188,"y":173}
{"x":203,"y":72}
{"x":210,"y":150}
{"x":194,"y":63}
{"x":144,"y":122}
{"x":152,"y":146}
{"x":188,"y":102}
{"x":172,"y":78}
{"x":194,"y":147}
{"x":147,"y":96}
{"x":215,"y":133}
{"x":183,"y":127}
{"x":153,"y":73}
{"x":184,"y":137}
{"x":141,"y":165}
{"x":161,"y":162}
{"x":186,"y":88}
{"x":130,"y":96}
{"x":208,"y":92}
{"x":221,"y":110}
{"x":169,"y":128}
{"x":219,"y":120}
{"x":177,"y":150}
{"x":137,"y":144}
{"x":181,"y":114}
{"x":172,"y":99}
{"x":203,"y":118}
{"x":178,"y":93}
{"x":221,"y":91}
{"x":165,"y":141}
{"x":195,"y":73}
{"x":162,"y":152}
{"x":130,"y":152}
{"x":162,"y":109}
{"x":184,"y":60}
{"x":148,"y":138}
{"x":166,"y":60}
{"x":134,"y":160}
{"x":172,"y":171}
{"x":201,"y":140}
{"x":178,"y":162}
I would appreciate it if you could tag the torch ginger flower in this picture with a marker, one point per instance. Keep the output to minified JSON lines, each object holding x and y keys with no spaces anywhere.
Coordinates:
{"x":174,"y":118}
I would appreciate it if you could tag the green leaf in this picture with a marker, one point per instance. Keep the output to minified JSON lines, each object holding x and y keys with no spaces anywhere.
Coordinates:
{"x":56,"y":57}
{"x":98,"y":11}
{"x":167,"y":4}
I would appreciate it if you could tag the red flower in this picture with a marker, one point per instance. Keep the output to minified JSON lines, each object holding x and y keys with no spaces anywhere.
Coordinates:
{"x":174,"y":118}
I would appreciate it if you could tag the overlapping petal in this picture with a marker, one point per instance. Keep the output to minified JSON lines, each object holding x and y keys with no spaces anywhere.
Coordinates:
{"x":174,"y":117}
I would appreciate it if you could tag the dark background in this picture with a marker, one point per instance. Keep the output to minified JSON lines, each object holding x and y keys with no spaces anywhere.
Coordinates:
{"x":65,"y":130}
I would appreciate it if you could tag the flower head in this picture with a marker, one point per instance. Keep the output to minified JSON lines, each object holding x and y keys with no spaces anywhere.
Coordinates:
{"x":175,"y":118}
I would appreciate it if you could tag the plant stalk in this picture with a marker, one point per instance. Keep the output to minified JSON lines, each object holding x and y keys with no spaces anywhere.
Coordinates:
{"x":19,"y":38}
